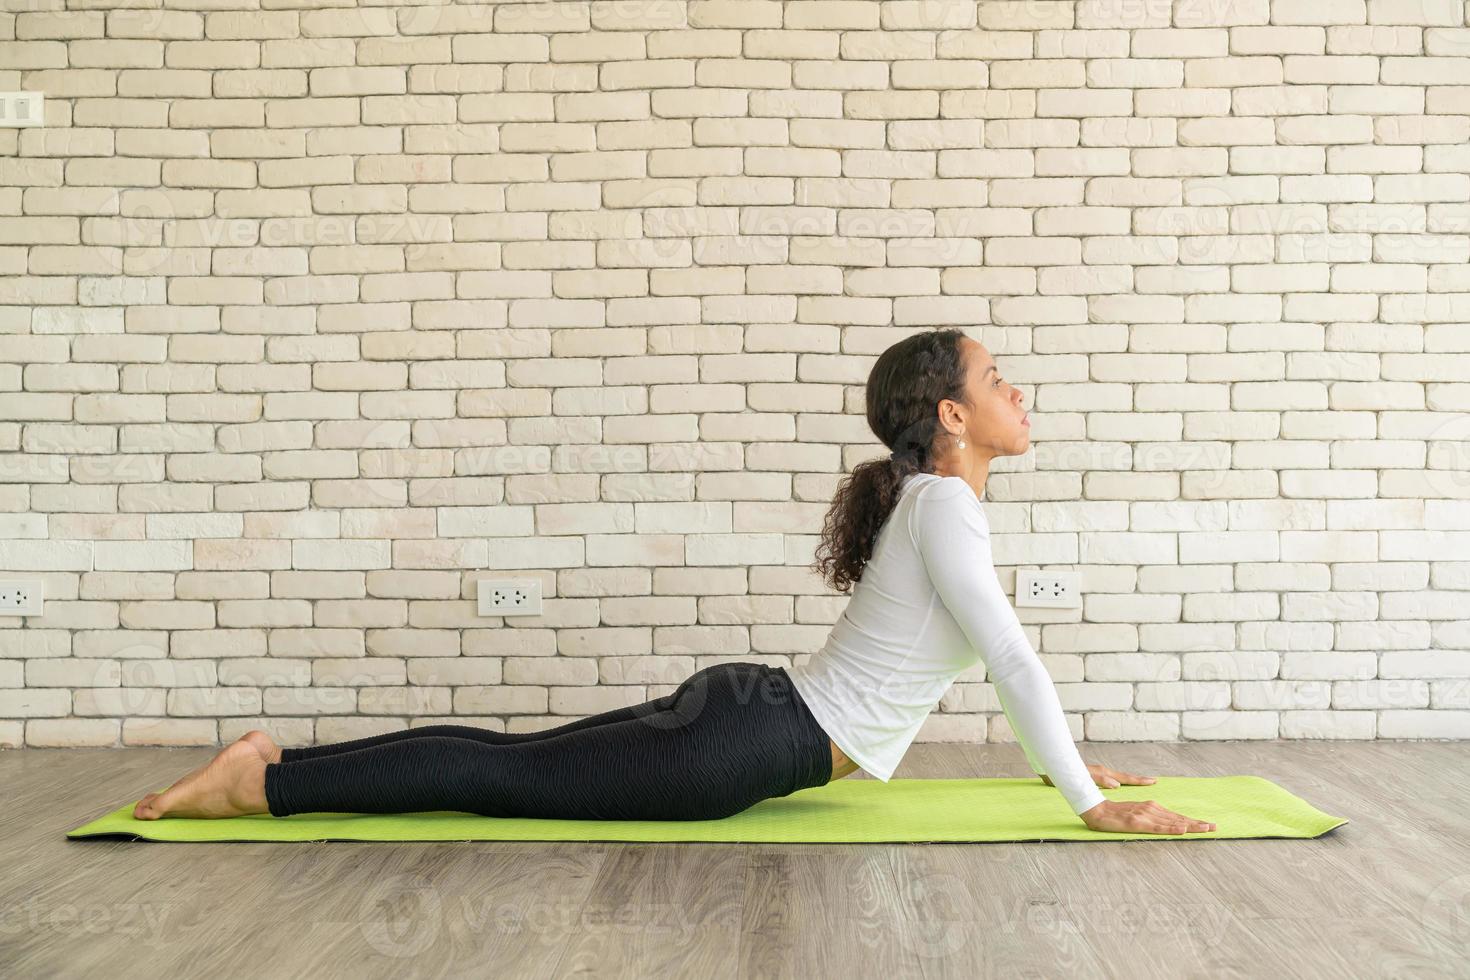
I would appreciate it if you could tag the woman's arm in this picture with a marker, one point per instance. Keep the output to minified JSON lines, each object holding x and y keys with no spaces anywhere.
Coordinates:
{"x":1031,"y":759}
{"x":953,"y":537}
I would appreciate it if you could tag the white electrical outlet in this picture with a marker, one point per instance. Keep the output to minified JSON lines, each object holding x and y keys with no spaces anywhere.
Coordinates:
{"x":509,"y":597}
{"x":21,"y":109}
{"x":21,"y":596}
{"x":1055,"y":590}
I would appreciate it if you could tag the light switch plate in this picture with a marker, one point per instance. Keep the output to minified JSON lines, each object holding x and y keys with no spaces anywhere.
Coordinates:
{"x":21,"y":109}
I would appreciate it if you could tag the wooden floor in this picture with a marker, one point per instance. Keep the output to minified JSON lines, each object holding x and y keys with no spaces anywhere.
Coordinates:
{"x":1387,"y":895}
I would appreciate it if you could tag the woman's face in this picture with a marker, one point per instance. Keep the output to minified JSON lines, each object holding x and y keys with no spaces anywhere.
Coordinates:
{"x":997,"y":424}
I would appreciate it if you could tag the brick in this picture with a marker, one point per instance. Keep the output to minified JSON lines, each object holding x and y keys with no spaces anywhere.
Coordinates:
{"x":589,"y":293}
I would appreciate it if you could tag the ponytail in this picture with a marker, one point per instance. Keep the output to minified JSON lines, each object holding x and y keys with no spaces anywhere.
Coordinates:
{"x":903,"y":392}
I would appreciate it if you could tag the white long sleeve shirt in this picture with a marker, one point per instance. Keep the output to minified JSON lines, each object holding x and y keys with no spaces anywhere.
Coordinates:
{"x":928,"y":607}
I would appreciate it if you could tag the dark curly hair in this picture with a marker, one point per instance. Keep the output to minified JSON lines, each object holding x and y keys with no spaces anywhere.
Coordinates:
{"x":903,"y":393}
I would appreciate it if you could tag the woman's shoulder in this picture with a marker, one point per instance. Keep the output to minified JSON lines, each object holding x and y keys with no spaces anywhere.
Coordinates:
{"x":947,"y":506}
{"x":947,"y":490}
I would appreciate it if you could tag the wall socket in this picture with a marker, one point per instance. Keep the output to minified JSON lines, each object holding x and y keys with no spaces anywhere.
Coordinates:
{"x":21,"y":596}
{"x":509,"y":596}
{"x":21,"y":109}
{"x":1055,"y":590}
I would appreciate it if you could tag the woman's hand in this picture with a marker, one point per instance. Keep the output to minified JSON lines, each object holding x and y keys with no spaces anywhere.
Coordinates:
{"x":1134,"y":818}
{"x":1111,"y":778}
{"x":1140,"y":818}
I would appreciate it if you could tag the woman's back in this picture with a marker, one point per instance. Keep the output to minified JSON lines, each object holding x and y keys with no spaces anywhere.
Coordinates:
{"x":892,"y":653}
{"x":927,"y":607}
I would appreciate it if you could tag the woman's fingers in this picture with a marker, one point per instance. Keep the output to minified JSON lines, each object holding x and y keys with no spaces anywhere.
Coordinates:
{"x":1147,"y":816}
{"x":1109,"y":778}
{"x":1143,"y":817}
{"x":1132,"y":779}
{"x":1157,"y":819}
{"x":1185,"y":825}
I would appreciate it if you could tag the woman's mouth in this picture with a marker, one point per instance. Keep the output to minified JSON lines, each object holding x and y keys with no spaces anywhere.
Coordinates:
{"x":1025,"y":419}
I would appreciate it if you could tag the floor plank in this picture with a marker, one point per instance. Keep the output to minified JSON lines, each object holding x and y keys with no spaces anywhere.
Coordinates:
{"x":1387,"y":894}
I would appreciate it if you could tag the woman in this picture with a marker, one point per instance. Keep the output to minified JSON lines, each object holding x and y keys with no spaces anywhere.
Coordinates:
{"x":908,"y":529}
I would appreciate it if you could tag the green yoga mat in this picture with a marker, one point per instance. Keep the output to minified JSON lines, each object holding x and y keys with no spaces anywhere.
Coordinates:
{"x":842,"y":812}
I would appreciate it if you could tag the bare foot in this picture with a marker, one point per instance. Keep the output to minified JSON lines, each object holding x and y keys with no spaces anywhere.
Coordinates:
{"x":261,"y":741}
{"x":264,"y":744}
{"x":232,"y":784}
{"x":193,"y":773}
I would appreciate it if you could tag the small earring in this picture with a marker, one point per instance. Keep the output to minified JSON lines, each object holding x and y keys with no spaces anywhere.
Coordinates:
{"x":962,"y":444}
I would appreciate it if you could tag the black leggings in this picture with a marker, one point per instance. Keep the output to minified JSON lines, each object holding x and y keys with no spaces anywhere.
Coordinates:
{"x":730,"y":736}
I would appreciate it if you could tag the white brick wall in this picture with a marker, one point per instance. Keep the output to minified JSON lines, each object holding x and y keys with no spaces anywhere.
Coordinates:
{"x":313,"y":317}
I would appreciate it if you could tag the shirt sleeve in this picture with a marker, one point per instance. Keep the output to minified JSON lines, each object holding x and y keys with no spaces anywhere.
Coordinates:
{"x":1031,"y":759}
{"x":953,"y":537}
